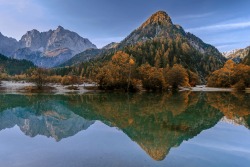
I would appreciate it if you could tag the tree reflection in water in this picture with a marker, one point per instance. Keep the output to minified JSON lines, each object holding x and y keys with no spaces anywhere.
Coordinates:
{"x":157,"y":122}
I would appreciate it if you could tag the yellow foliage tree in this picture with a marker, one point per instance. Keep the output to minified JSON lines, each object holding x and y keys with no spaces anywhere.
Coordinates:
{"x":152,"y":77}
{"x":193,"y":78}
{"x":177,"y":76}
{"x":231,"y":75}
{"x":118,"y":73}
{"x":39,"y":77}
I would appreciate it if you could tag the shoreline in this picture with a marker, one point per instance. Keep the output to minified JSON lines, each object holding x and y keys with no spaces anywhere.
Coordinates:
{"x":203,"y":88}
{"x":28,"y":87}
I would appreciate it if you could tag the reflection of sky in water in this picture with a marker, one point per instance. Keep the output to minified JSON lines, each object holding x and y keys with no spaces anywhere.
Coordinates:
{"x":223,"y":145}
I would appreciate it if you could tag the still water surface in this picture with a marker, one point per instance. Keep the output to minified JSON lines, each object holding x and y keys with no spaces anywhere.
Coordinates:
{"x":112,"y":129}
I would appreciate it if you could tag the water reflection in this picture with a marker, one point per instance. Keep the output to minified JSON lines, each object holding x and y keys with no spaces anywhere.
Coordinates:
{"x":156,"y":122}
{"x":36,"y":115}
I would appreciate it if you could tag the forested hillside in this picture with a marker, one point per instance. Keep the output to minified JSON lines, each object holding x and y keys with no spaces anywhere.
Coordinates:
{"x":13,"y":66}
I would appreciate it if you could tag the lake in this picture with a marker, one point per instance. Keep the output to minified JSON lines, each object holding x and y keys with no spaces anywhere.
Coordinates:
{"x":191,"y":129}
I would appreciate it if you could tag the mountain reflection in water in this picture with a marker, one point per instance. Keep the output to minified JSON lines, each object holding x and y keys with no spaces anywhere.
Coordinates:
{"x":156,"y":122}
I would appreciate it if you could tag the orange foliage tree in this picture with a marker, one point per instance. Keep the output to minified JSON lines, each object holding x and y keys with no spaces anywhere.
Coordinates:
{"x":193,"y":78}
{"x":118,"y":73}
{"x":152,"y":77}
{"x":177,"y":76}
{"x":39,"y":77}
{"x":231,"y":75}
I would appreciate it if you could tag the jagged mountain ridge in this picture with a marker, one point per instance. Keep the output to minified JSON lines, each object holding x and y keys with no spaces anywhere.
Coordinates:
{"x":52,"y":40}
{"x":237,"y":55}
{"x":8,"y":45}
{"x":45,"y":49}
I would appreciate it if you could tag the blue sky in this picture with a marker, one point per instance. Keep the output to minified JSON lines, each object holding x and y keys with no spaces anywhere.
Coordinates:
{"x":223,"y":23}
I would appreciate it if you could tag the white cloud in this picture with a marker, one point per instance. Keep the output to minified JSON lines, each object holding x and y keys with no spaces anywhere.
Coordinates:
{"x":219,"y":27}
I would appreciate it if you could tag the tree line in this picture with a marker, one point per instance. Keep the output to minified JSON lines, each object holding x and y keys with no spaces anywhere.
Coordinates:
{"x":123,"y":72}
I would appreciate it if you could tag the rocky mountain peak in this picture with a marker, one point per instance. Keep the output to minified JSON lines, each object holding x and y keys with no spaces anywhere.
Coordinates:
{"x":237,"y":55}
{"x":60,"y":28}
{"x":33,"y":31}
{"x":159,"y":25}
{"x":160,"y":17}
{"x":45,"y":49}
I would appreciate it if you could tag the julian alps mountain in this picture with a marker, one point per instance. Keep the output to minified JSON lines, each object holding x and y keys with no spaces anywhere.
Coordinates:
{"x":237,"y":55}
{"x":161,"y":43}
{"x":46,"y":49}
{"x":159,"y":25}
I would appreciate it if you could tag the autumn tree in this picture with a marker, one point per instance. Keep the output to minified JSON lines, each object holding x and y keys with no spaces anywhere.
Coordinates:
{"x":39,"y":77}
{"x":177,"y":76}
{"x":152,"y":77}
{"x":213,"y":79}
{"x":117,"y":73}
{"x":241,"y":76}
{"x":222,"y":77}
{"x":70,"y":80}
{"x":193,"y":78}
{"x":104,"y":77}
{"x":240,"y":85}
{"x":228,"y":70}
{"x":231,"y":75}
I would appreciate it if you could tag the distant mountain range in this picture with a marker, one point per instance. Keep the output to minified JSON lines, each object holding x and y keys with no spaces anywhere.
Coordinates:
{"x":157,"y":41}
{"x":45,"y":49}
{"x":160,"y":43}
{"x":237,"y":55}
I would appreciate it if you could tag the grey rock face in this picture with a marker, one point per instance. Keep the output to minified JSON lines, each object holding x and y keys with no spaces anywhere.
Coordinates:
{"x":45,"y":49}
{"x":237,"y":55}
{"x":34,"y":40}
{"x":8,"y":45}
{"x":40,"y":59}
